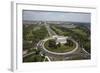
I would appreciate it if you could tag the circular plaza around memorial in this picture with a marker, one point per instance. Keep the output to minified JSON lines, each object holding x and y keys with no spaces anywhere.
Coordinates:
{"x":59,"y":45}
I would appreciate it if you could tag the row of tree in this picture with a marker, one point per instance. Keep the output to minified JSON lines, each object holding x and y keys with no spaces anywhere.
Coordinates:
{"x":83,"y":40}
{"x":34,"y":36}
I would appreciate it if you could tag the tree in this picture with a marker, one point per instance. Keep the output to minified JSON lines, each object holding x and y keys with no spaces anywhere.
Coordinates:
{"x":37,"y":51}
{"x":59,"y":45}
{"x":52,"y":44}
{"x":43,"y":56}
{"x":26,"y":45}
{"x":35,"y":59}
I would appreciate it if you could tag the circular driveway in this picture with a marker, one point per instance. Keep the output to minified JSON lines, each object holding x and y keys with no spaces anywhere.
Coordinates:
{"x":56,"y":53}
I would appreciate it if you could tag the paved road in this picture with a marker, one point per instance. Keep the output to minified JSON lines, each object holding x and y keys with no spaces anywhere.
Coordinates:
{"x":55,"y":53}
{"x":52,"y":55}
{"x":71,"y":54}
{"x":28,"y":54}
{"x":50,"y":31}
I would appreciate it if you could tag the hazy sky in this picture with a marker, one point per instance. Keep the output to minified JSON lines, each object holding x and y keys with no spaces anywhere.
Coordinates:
{"x":56,"y":16}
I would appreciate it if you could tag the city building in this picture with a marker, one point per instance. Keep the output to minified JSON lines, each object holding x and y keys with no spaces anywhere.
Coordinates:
{"x":61,"y":39}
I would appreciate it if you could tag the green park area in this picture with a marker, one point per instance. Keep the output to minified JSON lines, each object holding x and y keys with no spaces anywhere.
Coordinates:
{"x":80,"y":33}
{"x":59,"y":48}
{"x":32,"y":34}
{"x":35,"y":56}
{"x":35,"y":33}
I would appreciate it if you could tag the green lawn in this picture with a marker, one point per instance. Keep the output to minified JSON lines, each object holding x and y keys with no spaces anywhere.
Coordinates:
{"x":58,"y":31}
{"x":63,"y":48}
{"x":79,"y":31}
